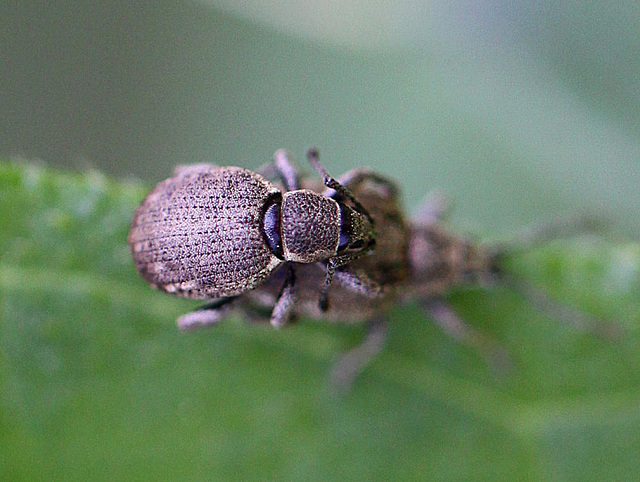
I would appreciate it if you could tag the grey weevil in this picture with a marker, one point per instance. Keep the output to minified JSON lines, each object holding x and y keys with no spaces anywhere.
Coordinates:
{"x":218,"y":232}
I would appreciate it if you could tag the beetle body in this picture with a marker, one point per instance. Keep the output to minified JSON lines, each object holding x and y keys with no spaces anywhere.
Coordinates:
{"x":217,"y":232}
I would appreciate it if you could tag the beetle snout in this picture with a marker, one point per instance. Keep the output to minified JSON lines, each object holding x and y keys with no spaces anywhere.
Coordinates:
{"x":356,"y":232}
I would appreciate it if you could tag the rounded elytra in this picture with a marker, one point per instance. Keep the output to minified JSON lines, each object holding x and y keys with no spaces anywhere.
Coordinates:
{"x":199,"y":235}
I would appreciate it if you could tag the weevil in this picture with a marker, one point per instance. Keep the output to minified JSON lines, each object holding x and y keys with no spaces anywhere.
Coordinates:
{"x":414,"y":259}
{"x":214,"y":232}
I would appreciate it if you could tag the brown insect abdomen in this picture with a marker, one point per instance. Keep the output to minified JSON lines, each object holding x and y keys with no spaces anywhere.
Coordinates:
{"x":440,"y":261}
{"x":199,"y":235}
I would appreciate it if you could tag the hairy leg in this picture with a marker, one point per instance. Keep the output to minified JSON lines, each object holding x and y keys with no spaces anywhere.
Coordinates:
{"x":286,"y":298}
{"x":330,"y":182}
{"x":496,"y":356}
{"x":351,"y":364}
{"x":209,"y":314}
{"x":352,"y":179}
{"x":281,"y":167}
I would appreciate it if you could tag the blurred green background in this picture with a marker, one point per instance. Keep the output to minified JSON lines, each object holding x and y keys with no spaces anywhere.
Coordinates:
{"x":518,"y":111}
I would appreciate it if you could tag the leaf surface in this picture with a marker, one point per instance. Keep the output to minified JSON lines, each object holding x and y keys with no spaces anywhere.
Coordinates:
{"x":97,"y":383}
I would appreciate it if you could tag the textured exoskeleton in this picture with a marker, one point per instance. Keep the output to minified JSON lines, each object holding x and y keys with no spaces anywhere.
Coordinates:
{"x":199,"y":235}
{"x":217,"y":232}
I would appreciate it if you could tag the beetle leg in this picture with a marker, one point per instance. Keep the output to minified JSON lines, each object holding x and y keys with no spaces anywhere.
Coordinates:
{"x":323,"y":300}
{"x":282,"y":309}
{"x":432,"y":209}
{"x":330,"y":182}
{"x":568,"y":315}
{"x":286,"y":170}
{"x":496,"y":356}
{"x":206,"y":315}
{"x":282,"y":168}
{"x":352,"y":363}
{"x":352,"y":179}
{"x":358,"y":281}
{"x":541,"y":233}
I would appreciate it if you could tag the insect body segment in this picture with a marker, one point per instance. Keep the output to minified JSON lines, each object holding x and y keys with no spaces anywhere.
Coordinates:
{"x":199,"y":235}
{"x":439,"y":260}
{"x":312,"y":232}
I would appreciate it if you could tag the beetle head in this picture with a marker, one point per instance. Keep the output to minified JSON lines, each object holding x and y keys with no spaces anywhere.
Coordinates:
{"x":356,"y":231}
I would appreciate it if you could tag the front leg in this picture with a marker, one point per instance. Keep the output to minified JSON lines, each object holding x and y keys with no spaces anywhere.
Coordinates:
{"x":353,"y":179}
{"x":356,"y":281}
{"x":332,"y":183}
{"x":282,"y":309}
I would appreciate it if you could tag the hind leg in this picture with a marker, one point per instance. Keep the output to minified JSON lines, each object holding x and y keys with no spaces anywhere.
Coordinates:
{"x":496,"y":356}
{"x":566,"y":314}
{"x":351,"y":364}
{"x":434,"y":208}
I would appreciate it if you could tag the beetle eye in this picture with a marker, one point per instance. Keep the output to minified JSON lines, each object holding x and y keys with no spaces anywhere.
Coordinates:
{"x":344,"y":241}
{"x":271,"y":228}
{"x":345,"y":228}
{"x":351,"y":231}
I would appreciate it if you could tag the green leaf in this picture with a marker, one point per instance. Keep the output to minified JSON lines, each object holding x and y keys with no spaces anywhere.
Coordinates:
{"x":98,"y":384}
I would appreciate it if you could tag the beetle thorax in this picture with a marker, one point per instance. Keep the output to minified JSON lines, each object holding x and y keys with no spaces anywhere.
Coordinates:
{"x":310,"y":226}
